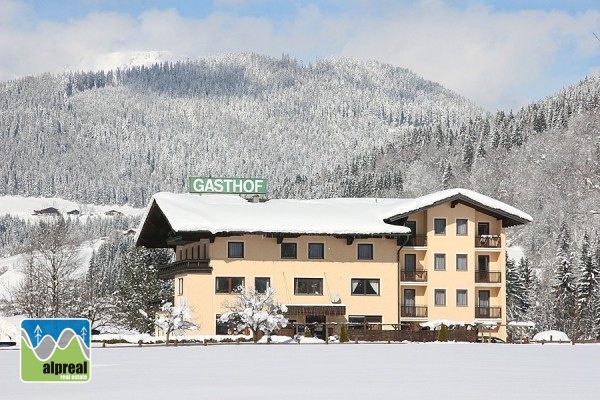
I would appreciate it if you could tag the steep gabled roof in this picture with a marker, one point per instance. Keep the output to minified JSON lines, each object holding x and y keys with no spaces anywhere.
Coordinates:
{"x":185,"y":216}
{"x":509,"y":215}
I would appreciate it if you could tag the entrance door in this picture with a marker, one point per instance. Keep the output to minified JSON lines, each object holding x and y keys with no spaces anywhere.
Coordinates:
{"x":409,"y":303}
{"x":316,"y":323}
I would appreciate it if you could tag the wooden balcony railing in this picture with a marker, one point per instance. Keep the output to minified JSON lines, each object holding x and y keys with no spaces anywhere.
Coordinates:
{"x":169,"y":271}
{"x":488,"y":312}
{"x":488,"y":241}
{"x":409,"y":311}
{"x":413,"y":276}
{"x":488,"y":277}
{"x":417,"y":241}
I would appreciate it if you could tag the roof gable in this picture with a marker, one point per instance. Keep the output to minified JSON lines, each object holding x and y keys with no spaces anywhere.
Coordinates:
{"x":509,"y":215}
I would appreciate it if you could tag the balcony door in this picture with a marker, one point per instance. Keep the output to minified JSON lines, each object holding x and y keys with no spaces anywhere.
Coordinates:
{"x":409,"y":303}
{"x":483,"y":228}
{"x":410,"y":267}
{"x":483,"y":268}
{"x":483,"y":302}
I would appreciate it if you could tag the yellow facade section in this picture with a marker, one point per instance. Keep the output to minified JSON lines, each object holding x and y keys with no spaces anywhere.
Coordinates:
{"x":459,"y":272}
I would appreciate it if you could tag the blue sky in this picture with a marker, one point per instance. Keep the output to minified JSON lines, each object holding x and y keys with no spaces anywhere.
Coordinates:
{"x":500,"y":54}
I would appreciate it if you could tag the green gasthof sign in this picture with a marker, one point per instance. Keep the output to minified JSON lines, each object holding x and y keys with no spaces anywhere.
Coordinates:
{"x":228,"y":185}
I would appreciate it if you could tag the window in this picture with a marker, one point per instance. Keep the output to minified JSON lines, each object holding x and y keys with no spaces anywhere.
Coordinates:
{"x":440,"y":297}
{"x":228,"y":285}
{"x":461,"y":227}
{"x":439,"y":226}
{"x":316,"y":250}
{"x":483,"y":228}
{"x":461,"y":297}
{"x":365,"y":251}
{"x":365,"y":286}
{"x":222,"y":328}
{"x":180,"y":286}
{"x":235,"y":249}
{"x":261,"y":284}
{"x":313,"y":286}
{"x":362,"y":321}
{"x":461,"y":262}
{"x":439,"y":262}
{"x":289,"y":250}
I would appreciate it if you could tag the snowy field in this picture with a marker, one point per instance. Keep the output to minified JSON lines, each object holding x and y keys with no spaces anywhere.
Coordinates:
{"x":334,"y":371}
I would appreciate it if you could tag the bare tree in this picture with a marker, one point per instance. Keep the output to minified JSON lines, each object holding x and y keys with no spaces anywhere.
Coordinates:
{"x":49,"y":267}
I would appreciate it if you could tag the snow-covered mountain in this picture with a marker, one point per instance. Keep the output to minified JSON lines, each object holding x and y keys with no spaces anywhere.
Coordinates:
{"x":124,"y":60}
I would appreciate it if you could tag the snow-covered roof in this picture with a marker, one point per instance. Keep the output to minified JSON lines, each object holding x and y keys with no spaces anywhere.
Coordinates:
{"x":227,"y":214}
{"x":465,"y":195}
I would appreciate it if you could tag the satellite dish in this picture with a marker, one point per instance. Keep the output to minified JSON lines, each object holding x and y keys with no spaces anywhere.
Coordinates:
{"x":335,"y":298}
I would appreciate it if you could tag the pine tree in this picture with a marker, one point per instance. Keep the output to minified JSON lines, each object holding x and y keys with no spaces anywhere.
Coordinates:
{"x":447,"y":175}
{"x":513,"y":291}
{"x":140,"y":291}
{"x":528,"y":284}
{"x":564,"y":284}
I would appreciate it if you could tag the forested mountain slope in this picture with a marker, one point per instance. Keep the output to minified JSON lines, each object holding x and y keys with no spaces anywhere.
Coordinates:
{"x":338,"y":127}
{"x":120,"y":136}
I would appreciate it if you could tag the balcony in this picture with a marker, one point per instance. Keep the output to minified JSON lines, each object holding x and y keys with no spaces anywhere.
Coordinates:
{"x":409,"y":311}
{"x":418,"y":276}
{"x":488,"y":312}
{"x":417,"y":241}
{"x":183,"y":266}
{"x":488,"y":241}
{"x":494,"y":277}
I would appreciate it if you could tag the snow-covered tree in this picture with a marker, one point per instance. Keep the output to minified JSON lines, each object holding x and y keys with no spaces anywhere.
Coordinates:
{"x":50,"y":271}
{"x":514,"y":291}
{"x":140,"y":291}
{"x":564,"y":285}
{"x":174,"y":319}
{"x":256,"y":311}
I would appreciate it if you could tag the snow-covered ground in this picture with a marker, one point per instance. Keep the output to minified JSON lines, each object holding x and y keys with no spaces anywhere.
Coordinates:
{"x":334,"y":371}
{"x":23,"y":207}
{"x":10,"y":276}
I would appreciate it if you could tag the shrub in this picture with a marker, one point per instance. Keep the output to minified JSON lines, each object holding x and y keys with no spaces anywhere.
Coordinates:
{"x":307,"y":332}
{"x":443,"y":334}
{"x":344,"y":335}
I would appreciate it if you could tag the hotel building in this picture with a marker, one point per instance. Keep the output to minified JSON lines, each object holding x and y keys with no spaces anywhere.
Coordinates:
{"x":383,"y":262}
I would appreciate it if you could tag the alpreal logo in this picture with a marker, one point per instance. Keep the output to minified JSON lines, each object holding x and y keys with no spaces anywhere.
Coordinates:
{"x":55,"y":350}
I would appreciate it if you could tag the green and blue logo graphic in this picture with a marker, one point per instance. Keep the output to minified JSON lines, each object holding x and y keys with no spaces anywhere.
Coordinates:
{"x":55,"y":350}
